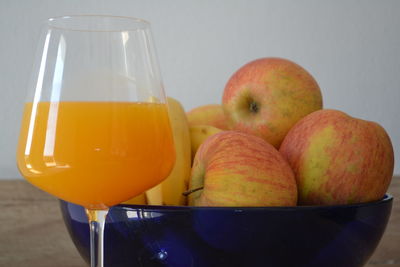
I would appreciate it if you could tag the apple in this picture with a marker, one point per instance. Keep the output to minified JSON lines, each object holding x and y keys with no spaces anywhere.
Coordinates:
{"x":211,"y":114}
{"x":338,"y":159}
{"x":198,"y":134}
{"x":237,"y":169}
{"x":267,"y":96}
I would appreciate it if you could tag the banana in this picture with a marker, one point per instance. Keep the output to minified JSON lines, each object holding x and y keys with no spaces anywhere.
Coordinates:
{"x":178,"y":180}
{"x":198,"y":134}
{"x":154,"y":195}
{"x":169,"y":192}
{"x":138,"y":200}
{"x":150,"y":197}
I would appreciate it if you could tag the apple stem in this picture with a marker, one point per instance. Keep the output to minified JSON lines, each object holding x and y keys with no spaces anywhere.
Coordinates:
{"x":253,"y":107}
{"x":186,"y":193}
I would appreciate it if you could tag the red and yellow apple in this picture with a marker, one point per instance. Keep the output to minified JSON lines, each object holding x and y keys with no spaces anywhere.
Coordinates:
{"x":198,"y":134}
{"x":266,"y":97}
{"x":237,"y":169}
{"x":338,"y":159}
{"x":211,"y":114}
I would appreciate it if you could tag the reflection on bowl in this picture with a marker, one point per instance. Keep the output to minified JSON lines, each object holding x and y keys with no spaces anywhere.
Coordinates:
{"x":337,"y":236}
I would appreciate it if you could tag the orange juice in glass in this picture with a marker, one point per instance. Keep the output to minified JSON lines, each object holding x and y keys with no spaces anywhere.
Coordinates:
{"x":95,"y":128}
{"x":96,"y":154}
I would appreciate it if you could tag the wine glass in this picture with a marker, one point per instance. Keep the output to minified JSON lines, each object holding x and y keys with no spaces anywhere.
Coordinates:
{"x":95,"y":128}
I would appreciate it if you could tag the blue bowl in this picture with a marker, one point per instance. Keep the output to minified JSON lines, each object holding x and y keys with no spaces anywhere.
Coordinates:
{"x":344,"y":235}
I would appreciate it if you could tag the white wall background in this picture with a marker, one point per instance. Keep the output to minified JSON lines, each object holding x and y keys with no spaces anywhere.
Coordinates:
{"x":352,"y":48}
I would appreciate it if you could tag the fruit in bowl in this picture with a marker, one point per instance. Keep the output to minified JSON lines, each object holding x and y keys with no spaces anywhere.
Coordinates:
{"x":211,"y":114}
{"x":267,"y":96}
{"x":181,"y":236}
{"x":237,"y":169}
{"x":338,"y":159}
{"x":198,"y":134}
{"x":245,"y":183}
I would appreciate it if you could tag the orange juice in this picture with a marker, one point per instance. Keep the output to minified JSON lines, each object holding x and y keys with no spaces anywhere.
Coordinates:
{"x":95,"y":154}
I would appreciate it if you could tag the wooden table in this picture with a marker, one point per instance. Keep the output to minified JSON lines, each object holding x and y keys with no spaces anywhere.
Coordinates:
{"x":33,"y":234}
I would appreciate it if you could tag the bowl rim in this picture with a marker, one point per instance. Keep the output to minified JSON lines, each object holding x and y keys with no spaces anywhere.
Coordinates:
{"x":388,"y":198}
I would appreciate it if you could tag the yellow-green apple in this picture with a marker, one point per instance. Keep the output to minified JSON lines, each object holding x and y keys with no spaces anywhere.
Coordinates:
{"x":267,"y":96}
{"x":338,"y":159}
{"x":237,"y":169}
{"x":198,"y":134}
{"x":211,"y":114}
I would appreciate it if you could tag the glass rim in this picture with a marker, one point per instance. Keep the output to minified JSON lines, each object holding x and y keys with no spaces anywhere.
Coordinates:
{"x":131,"y":23}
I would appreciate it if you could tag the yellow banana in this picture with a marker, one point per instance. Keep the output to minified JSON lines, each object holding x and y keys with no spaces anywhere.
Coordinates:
{"x":169,"y":192}
{"x":154,"y":195}
{"x":138,"y":200}
{"x":151,"y":197}
{"x":198,"y":134}
{"x":178,"y":180}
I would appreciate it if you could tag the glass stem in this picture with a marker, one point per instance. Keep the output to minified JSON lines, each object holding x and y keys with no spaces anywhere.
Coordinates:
{"x":97,"y":220}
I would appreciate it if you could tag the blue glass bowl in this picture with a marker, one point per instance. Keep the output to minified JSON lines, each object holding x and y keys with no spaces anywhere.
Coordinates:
{"x":344,"y":236}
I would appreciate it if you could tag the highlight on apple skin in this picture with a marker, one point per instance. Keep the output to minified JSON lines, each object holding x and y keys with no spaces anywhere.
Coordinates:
{"x":237,"y":169}
{"x":267,"y":96}
{"x":338,"y":159}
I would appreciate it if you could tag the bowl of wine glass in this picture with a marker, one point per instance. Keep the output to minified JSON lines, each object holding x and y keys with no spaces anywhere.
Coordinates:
{"x":343,"y":235}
